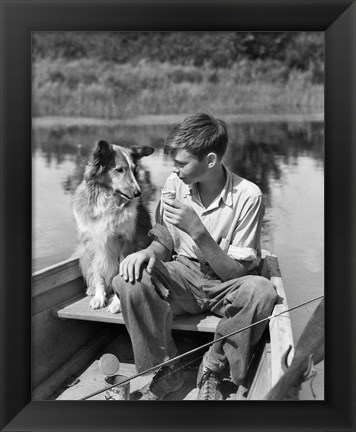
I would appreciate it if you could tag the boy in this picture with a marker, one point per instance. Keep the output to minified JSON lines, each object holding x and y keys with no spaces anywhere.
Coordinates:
{"x":211,"y":219}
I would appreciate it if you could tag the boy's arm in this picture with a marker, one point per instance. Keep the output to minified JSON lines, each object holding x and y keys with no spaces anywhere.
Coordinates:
{"x":132,"y":266}
{"x":225,"y":266}
{"x":160,"y":249}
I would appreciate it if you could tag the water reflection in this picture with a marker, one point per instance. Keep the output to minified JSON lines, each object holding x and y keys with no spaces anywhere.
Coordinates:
{"x":76,"y":176}
{"x":256,"y":150}
{"x":259,"y":152}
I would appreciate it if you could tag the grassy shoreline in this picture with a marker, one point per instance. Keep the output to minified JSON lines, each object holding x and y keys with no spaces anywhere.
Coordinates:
{"x":169,"y":119}
{"x":92,"y":89}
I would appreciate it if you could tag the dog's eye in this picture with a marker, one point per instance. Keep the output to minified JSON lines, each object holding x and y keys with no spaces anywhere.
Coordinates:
{"x":120,"y":170}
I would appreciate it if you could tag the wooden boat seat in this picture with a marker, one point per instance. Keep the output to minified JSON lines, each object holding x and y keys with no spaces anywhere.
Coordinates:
{"x":79,"y":309}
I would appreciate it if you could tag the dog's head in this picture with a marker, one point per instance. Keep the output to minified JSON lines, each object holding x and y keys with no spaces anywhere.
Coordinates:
{"x":115,"y":168}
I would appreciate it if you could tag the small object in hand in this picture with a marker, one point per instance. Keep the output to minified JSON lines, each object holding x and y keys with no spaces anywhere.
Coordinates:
{"x":168,"y":194}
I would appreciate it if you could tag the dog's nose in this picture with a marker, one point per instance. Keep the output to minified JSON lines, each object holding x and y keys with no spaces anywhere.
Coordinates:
{"x":137,"y":194}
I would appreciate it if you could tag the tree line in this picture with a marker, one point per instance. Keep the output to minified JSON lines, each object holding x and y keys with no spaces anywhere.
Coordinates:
{"x":296,"y":50}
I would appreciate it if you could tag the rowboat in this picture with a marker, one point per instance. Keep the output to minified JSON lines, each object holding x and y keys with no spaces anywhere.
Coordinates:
{"x":69,"y":339}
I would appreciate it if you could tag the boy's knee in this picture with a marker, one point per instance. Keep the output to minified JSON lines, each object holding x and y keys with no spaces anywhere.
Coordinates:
{"x":262,"y":289}
{"x":128,"y":291}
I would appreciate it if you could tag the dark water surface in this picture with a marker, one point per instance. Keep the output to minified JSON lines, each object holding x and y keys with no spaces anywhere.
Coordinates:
{"x":284,"y":158}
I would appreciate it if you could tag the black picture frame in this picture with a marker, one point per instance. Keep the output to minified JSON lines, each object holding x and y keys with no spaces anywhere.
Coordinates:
{"x":18,"y":19}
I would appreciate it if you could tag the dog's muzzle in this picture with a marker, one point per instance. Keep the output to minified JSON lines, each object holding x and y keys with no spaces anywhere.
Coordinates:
{"x":136,"y":194}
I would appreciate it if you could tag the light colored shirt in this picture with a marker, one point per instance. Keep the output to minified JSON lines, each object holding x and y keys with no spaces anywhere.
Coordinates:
{"x":233,"y":219}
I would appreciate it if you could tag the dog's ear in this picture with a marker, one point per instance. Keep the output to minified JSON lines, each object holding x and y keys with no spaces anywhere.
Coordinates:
{"x":137,"y":152}
{"x":101,"y":159}
{"x":103,"y":150}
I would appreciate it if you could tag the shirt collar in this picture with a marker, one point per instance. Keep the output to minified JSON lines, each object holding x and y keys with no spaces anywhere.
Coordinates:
{"x":226,"y":193}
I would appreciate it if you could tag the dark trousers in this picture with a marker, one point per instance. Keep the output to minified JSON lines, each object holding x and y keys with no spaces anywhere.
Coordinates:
{"x":183,"y":287}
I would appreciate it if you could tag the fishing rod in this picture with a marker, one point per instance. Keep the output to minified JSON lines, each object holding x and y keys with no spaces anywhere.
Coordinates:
{"x":199,"y":348}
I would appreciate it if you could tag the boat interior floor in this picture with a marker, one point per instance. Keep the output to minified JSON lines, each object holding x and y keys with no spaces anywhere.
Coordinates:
{"x":92,"y":379}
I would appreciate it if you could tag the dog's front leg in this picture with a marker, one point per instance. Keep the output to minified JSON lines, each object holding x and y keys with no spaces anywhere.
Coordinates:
{"x":99,"y":299}
{"x":115,"y":305}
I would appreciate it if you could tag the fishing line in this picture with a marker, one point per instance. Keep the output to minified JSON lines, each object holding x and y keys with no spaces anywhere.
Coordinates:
{"x":201,"y":347}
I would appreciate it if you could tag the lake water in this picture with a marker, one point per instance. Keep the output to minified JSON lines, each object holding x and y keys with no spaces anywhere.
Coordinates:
{"x":284,"y":157}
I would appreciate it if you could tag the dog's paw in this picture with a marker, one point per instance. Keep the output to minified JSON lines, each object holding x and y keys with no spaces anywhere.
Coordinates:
{"x":97,"y":302}
{"x":115,"y":306}
{"x":90,"y":291}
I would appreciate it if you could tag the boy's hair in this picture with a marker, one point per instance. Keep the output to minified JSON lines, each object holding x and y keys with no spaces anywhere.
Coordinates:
{"x":200,"y":134}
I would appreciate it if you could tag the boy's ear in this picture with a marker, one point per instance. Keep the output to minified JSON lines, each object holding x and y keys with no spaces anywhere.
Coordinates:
{"x":137,"y":152}
{"x":212,"y":159}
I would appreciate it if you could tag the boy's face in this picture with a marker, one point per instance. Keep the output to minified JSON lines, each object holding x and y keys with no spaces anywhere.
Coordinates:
{"x":189,"y":168}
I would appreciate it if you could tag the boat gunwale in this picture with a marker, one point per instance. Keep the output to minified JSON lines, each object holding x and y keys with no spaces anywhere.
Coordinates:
{"x":55,"y":275}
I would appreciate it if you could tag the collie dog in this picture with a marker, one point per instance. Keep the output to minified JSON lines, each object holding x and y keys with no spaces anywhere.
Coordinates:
{"x":111,"y":219}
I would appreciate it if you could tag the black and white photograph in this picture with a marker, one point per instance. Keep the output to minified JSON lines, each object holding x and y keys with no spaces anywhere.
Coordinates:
{"x":178,"y":234}
{"x":177,"y":223}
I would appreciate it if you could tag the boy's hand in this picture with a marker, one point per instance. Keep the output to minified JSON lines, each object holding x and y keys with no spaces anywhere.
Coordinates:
{"x":183,"y":217}
{"x":132,"y":266}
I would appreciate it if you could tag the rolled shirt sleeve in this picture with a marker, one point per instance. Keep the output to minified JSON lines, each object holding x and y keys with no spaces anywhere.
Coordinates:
{"x":161,"y":234}
{"x":245,"y":240}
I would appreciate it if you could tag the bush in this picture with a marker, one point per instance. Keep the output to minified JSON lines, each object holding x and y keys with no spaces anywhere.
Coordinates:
{"x":93,"y":88}
{"x":180,"y":75}
{"x":217,"y":49}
